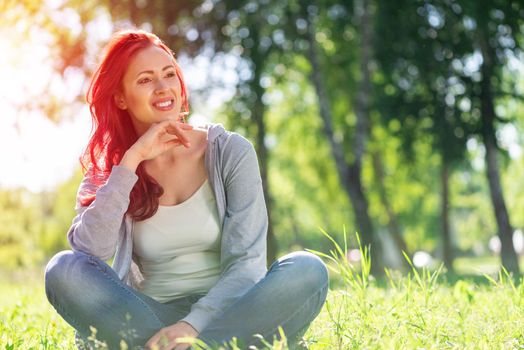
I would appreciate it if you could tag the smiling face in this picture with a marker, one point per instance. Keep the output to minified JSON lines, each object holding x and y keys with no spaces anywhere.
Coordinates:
{"x":151,"y":89}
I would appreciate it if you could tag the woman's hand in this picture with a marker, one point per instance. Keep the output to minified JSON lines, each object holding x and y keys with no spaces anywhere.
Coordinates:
{"x":159,"y":138}
{"x":165,"y":339}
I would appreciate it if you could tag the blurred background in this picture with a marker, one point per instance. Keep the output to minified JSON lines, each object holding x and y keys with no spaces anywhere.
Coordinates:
{"x":400,"y":120}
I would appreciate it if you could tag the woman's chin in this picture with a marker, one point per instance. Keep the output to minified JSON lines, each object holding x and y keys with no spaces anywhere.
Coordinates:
{"x":171,"y":116}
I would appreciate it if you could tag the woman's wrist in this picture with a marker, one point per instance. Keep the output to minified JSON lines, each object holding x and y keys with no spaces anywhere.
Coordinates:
{"x":130,"y":160}
{"x":189,"y":326}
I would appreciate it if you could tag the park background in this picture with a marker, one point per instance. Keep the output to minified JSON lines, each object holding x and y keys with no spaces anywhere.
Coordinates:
{"x":400,"y":120}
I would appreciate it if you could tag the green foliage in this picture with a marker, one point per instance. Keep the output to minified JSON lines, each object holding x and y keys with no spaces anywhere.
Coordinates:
{"x":59,"y":209}
{"x":33,"y":226}
{"x":472,"y":213}
{"x":302,"y":177}
{"x":20,"y":224}
{"x":411,"y":186}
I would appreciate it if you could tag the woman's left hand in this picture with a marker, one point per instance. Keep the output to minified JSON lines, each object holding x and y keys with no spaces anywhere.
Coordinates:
{"x":165,"y":339}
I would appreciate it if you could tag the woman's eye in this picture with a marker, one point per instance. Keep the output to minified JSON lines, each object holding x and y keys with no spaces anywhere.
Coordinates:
{"x":170,"y":75}
{"x":144,"y":81}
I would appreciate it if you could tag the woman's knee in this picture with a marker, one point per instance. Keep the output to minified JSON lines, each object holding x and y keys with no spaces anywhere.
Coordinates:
{"x":306,"y":268}
{"x":63,"y":268}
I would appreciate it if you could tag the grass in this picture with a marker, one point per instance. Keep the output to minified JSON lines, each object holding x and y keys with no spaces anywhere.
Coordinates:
{"x":421,"y":310}
{"x":27,"y":321}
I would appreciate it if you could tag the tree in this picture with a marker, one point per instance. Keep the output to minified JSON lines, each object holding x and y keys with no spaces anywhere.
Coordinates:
{"x":430,"y":77}
{"x":488,"y":41}
{"x":349,"y":167}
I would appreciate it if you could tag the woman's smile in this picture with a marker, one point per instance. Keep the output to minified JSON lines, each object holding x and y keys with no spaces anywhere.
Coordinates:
{"x":164,"y":104}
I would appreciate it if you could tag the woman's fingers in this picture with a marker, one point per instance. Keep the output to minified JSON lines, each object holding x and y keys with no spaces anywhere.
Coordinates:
{"x":160,"y":137}
{"x":152,"y":342}
{"x":175,"y":142}
{"x":182,"y":346}
{"x":174,"y":125}
{"x":164,"y":343}
{"x":181,"y":140}
{"x":175,"y":128}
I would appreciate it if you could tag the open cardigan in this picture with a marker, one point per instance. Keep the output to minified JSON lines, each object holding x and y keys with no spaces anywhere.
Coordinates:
{"x":103,"y":228}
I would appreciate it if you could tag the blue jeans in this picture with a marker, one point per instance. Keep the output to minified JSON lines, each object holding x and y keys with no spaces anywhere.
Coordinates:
{"x":86,"y":292}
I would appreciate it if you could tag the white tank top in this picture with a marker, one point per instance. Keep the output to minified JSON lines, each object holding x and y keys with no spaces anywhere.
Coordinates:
{"x":178,"y":248}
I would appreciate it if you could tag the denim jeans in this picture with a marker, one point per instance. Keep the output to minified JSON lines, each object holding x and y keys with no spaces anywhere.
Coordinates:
{"x":86,"y":292}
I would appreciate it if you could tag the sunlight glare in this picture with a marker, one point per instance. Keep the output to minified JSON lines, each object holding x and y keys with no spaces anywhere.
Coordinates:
{"x":35,"y":153}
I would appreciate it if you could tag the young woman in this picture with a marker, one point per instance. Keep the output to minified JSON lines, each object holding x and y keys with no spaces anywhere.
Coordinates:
{"x":181,"y":211}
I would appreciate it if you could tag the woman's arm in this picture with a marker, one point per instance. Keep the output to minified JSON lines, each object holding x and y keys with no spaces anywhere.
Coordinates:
{"x":243,"y":250}
{"x":95,"y":229}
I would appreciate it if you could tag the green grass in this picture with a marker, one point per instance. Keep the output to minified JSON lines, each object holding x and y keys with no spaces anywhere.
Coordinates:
{"x":423,"y":314}
{"x":27,"y":321}
{"x":422,"y":310}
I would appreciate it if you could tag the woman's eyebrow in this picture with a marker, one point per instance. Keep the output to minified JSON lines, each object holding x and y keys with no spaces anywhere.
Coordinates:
{"x":151,"y":72}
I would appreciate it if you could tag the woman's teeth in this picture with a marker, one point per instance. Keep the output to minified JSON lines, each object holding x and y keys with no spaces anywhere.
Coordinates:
{"x":164,"y":104}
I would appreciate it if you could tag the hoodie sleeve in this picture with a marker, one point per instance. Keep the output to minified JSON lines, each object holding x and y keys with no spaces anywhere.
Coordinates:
{"x":95,"y":228}
{"x":244,"y":231}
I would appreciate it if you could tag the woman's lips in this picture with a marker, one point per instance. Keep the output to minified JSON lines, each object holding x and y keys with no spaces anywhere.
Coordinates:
{"x":164,"y":105}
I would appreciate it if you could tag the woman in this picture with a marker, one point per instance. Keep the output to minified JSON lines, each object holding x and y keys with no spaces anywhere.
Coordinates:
{"x":181,"y":211}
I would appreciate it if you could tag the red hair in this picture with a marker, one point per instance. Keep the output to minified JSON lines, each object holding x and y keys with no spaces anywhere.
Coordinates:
{"x":113,"y":132}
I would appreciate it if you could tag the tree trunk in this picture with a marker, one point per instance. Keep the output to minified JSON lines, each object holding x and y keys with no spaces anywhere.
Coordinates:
{"x":349,"y":174}
{"x":447,"y":248}
{"x":362,"y":113}
{"x":393,"y":225}
{"x":258,"y":112}
{"x":505,"y":231}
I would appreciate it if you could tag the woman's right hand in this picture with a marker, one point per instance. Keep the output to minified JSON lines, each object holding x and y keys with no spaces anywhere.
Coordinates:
{"x":159,"y":138}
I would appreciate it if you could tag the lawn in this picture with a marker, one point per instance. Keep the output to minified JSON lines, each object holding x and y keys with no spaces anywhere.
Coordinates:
{"x":423,"y":310}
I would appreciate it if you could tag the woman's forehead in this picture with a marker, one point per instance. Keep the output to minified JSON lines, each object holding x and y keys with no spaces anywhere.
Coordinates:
{"x":152,"y":58}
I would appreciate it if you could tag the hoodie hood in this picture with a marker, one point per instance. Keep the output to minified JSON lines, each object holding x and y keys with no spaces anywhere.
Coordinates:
{"x":213,"y":131}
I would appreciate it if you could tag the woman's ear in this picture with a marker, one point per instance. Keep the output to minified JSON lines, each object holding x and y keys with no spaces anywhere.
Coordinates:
{"x":120,"y":101}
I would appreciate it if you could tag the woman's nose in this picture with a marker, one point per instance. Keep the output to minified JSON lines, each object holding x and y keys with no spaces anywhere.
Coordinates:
{"x":160,"y":87}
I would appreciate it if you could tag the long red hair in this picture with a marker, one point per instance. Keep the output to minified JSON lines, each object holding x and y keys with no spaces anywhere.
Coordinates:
{"x":113,"y":133}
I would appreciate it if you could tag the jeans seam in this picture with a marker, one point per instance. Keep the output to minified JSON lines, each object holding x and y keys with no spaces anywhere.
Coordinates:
{"x":299,"y":309}
{"x":58,"y":307}
{"x":62,"y":310}
{"x":302,"y":330}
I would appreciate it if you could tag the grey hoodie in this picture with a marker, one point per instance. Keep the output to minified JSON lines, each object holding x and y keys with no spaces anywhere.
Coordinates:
{"x":104,"y":230}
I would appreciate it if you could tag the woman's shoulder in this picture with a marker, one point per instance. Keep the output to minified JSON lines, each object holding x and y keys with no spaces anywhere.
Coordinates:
{"x":234,"y":150}
{"x":237,"y":145}
{"x":229,"y":141}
